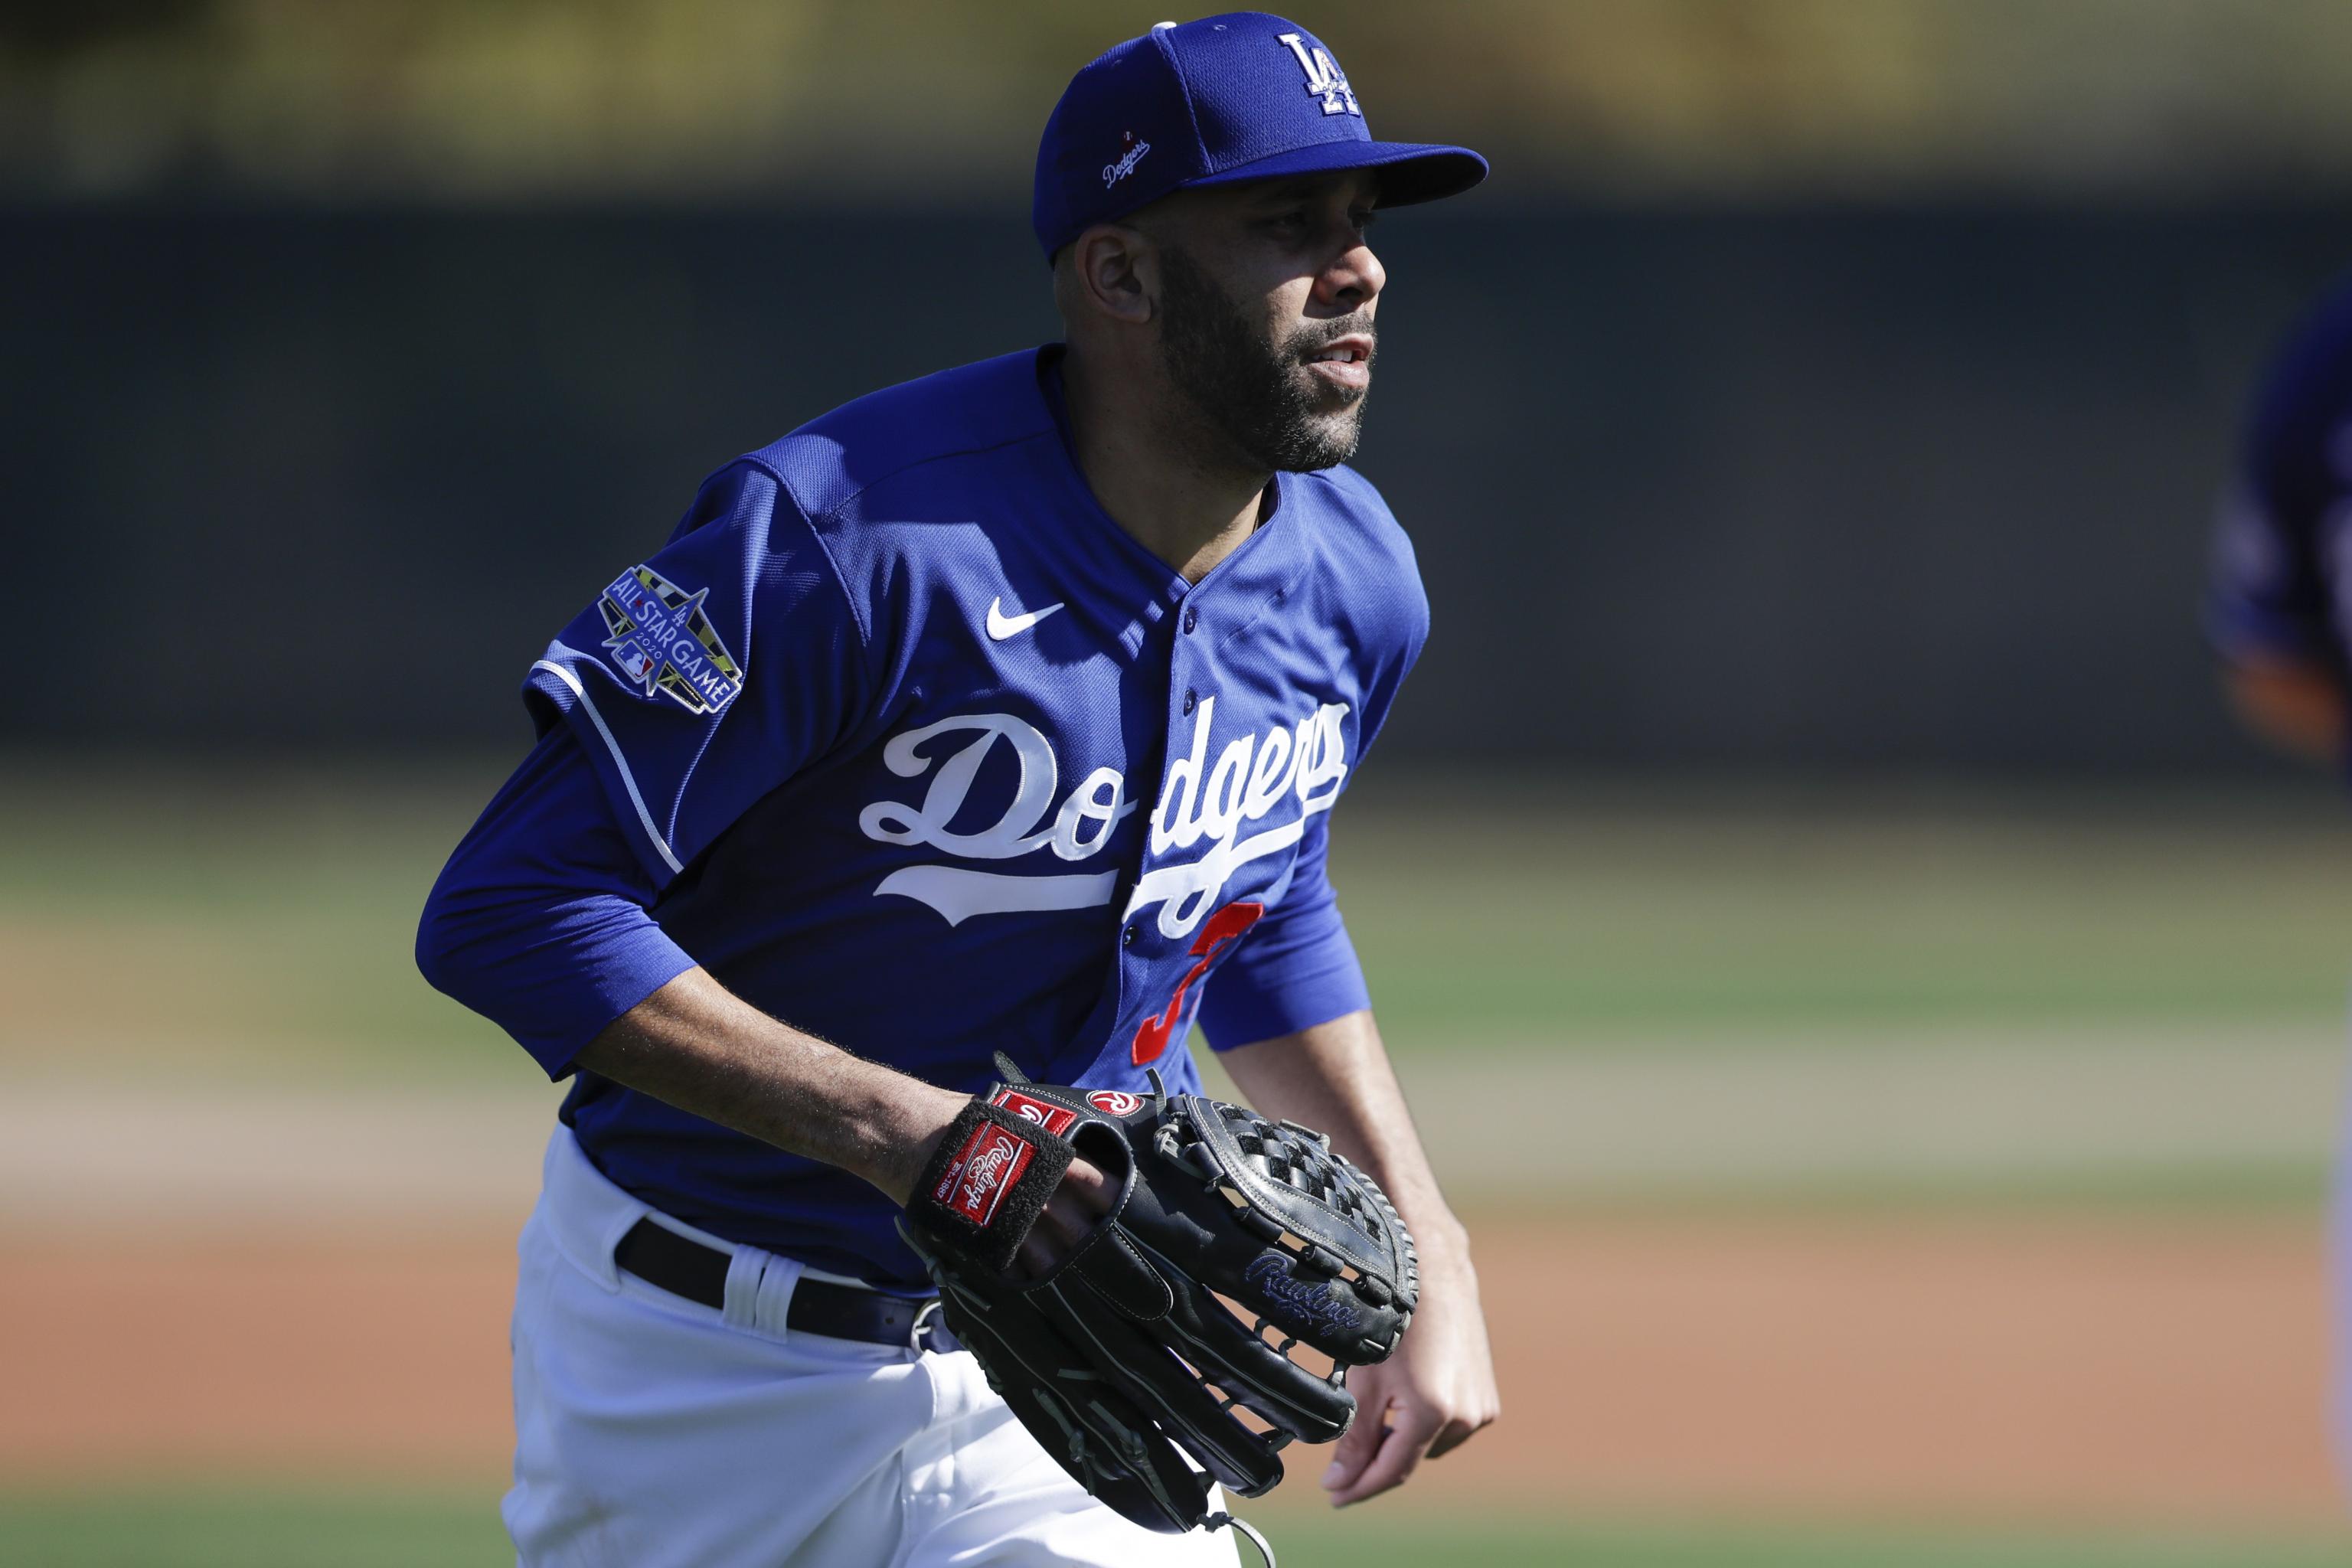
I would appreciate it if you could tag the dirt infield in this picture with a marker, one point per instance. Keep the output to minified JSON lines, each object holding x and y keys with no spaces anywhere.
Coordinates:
{"x":2119,"y":1369}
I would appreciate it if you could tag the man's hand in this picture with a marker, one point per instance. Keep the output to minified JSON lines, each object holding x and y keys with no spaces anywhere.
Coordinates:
{"x":1429,"y":1398}
{"x":1077,"y":1206}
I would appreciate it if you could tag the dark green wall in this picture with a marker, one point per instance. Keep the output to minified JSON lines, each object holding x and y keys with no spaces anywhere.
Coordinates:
{"x":1907,"y":489}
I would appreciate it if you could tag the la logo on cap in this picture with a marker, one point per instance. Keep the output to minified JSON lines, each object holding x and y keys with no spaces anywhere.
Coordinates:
{"x":1324,"y":77}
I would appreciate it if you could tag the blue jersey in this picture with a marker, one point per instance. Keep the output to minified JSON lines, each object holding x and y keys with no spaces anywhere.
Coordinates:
{"x":913,"y":747}
{"x":2282,"y":577}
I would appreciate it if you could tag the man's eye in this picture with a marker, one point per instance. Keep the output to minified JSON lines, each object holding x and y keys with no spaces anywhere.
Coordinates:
{"x":1363,"y":218}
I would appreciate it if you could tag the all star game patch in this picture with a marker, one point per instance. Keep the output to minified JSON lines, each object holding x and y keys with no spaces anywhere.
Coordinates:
{"x":662,"y":641}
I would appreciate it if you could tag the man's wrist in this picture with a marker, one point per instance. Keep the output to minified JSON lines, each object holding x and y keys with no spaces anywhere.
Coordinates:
{"x":1442,"y":1240}
{"x":914,"y":1127}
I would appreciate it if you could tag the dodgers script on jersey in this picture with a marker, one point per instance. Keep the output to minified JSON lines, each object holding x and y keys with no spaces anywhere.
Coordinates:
{"x":918,"y":750}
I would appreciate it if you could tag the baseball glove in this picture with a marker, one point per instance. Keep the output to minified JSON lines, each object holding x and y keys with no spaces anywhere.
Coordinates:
{"x":1122,"y":1362}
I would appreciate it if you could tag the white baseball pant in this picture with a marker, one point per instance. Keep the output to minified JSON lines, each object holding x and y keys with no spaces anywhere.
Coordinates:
{"x":654,"y":1432}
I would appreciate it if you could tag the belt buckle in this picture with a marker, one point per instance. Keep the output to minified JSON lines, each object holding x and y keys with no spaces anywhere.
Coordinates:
{"x":926,"y":1316}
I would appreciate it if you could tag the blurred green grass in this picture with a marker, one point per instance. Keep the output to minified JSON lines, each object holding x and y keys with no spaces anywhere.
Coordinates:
{"x":264,"y":917}
{"x":234,"y":1529}
{"x":1611,"y":916}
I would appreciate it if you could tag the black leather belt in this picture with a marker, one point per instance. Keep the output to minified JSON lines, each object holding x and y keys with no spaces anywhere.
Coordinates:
{"x":682,"y":1267}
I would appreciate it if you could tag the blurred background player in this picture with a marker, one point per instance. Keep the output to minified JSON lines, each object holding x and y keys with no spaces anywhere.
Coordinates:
{"x":2279,"y":611}
{"x":2280,"y":606}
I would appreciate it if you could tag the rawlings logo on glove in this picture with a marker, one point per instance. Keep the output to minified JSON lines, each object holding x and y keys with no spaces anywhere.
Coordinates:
{"x":1055,"y":1119}
{"x":1309,"y":1306}
{"x":990,"y":1160}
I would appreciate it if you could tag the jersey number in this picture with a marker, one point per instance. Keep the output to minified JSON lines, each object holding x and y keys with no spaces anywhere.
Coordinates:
{"x":1225,"y":926}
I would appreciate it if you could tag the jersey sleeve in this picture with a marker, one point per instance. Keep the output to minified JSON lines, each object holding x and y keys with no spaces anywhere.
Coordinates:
{"x":701,"y":679}
{"x":1380,"y":695}
{"x":1296,"y":968}
{"x":540,"y":922}
{"x":2279,"y":545}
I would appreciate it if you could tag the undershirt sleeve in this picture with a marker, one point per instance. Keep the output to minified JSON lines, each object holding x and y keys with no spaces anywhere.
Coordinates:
{"x":541,"y":920}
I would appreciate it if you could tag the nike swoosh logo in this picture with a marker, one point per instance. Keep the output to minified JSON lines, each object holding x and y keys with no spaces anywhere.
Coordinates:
{"x":1002,"y":626}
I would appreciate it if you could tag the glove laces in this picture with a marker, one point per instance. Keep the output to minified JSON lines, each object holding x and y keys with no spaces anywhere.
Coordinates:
{"x":1242,"y":1527}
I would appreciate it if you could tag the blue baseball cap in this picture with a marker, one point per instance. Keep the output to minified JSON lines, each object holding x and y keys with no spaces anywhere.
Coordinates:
{"x":1245,"y":95}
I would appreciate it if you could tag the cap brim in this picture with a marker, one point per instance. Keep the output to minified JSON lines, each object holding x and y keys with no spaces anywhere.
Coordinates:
{"x":1410,"y":171}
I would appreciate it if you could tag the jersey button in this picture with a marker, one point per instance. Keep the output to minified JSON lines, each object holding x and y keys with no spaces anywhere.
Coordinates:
{"x":1192,"y":617}
{"x":1189,"y":701}
{"x":1126,"y":937}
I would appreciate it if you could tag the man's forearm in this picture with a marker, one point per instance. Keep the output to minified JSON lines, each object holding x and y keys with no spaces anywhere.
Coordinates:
{"x":1336,"y":1079}
{"x":697,"y":1046}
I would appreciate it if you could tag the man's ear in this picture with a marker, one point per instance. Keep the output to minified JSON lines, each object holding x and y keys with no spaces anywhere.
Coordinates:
{"x":1116,"y":273}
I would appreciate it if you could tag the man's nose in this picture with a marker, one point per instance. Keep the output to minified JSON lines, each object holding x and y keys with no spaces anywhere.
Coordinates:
{"x":1353,"y":280}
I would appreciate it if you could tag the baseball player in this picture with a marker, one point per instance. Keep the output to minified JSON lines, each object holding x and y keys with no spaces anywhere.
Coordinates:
{"x":1002,"y":712}
{"x":2279,"y":605}
{"x":2279,"y":611}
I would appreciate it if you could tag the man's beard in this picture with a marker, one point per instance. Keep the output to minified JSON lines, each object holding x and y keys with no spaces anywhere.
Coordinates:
{"x":1259,"y":395}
